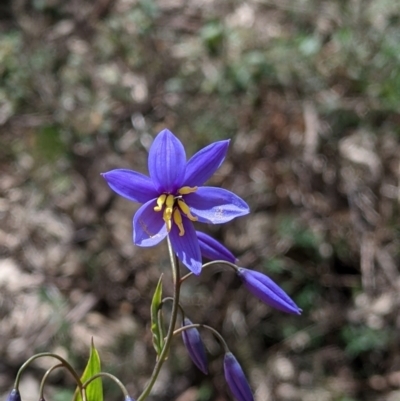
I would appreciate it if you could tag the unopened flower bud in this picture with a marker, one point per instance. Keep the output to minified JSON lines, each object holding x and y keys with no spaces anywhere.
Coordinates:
{"x":194,"y":345}
{"x":14,"y":395}
{"x":267,"y":291}
{"x":236,"y":379}
{"x":212,"y":249}
{"x":127,"y":398}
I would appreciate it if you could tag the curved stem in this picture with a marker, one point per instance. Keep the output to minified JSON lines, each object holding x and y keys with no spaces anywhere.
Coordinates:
{"x":172,"y":323}
{"x":172,"y":300}
{"x":45,"y":376}
{"x":43,"y":354}
{"x":204,"y":326}
{"x":110,"y":376}
{"x":214,"y":262}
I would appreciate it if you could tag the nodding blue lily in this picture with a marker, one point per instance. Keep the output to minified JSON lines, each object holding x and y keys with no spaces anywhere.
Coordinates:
{"x":194,"y":345}
{"x":266,"y":290}
{"x":174,"y":197}
{"x":236,"y":379}
{"x":14,"y":395}
{"x":259,"y":284}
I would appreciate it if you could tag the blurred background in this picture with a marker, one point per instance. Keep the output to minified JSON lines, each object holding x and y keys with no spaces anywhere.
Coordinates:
{"x":309,"y":94}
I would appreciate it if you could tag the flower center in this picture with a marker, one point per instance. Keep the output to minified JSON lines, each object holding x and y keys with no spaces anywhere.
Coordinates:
{"x":173,"y":206}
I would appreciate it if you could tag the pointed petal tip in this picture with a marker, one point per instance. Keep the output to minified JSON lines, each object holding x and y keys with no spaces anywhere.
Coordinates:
{"x":130,"y":184}
{"x":165,"y":131}
{"x":236,"y":378}
{"x":203,"y":164}
{"x":166,"y":162}
{"x":195,"y":347}
{"x":267,"y":291}
{"x":196,"y":270}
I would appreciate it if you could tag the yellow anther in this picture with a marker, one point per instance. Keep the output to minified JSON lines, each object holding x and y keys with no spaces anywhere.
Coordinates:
{"x":167,"y":219}
{"x":169,"y":204}
{"x":178,"y":221}
{"x":186,"y":211}
{"x":160,"y":202}
{"x":187,"y":190}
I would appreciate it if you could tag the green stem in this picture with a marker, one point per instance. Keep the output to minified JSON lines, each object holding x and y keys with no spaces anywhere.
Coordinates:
{"x":204,"y":326}
{"x":43,"y":354}
{"x":110,"y":376}
{"x":45,"y":376}
{"x":170,"y":299}
{"x":172,"y":323}
{"x":214,"y":262}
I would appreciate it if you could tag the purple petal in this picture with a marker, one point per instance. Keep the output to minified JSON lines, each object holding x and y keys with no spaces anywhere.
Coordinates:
{"x":131,"y":185}
{"x":167,"y":161}
{"x":267,"y":291}
{"x":194,"y":345}
{"x":212,"y":249}
{"x":204,"y":163}
{"x":216,"y":205}
{"x":14,"y":395}
{"x":187,"y":246}
{"x":236,"y":379}
{"x":148,"y":226}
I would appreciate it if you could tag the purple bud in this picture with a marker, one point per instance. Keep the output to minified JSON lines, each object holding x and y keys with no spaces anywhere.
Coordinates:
{"x":14,"y":395}
{"x":194,"y":345}
{"x":127,"y":398}
{"x":236,"y":379}
{"x":212,"y":249}
{"x":267,"y":291}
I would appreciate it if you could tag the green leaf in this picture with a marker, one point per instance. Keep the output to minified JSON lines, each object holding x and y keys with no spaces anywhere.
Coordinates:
{"x":94,"y":391}
{"x":157,"y":327}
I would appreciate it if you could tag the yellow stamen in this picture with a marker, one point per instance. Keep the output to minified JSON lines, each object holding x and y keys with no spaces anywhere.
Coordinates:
{"x":169,"y":204}
{"x":172,"y":213}
{"x":186,"y":211}
{"x":167,"y":219}
{"x":178,"y":221}
{"x":160,"y":202}
{"x":187,"y":190}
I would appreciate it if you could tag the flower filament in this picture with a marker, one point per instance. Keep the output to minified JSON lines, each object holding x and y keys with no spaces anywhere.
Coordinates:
{"x":173,"y":207}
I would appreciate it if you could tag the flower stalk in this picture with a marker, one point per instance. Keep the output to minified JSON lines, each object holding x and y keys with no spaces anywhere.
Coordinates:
{"x":49,"y":354}
{"x":45,"y":376}
{"x":204,"y":326}
{"x":172,"y":323}
{"x":109,"y":376}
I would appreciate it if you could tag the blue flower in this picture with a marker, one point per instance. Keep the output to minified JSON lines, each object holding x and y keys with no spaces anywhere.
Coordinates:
{"x":257,"y":283}
{"x":194,"y":345}
{"x":14,"y":395}
{"x":267,"y":291}
{"x":173,"y":196}
{"x":236,"y":379}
